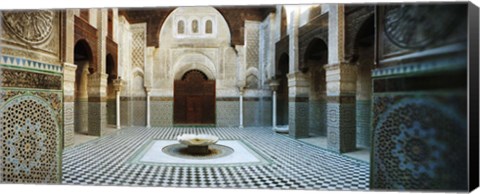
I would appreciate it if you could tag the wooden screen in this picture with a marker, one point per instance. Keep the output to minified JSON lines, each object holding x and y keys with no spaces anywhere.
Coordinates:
{"x":194,"y":99}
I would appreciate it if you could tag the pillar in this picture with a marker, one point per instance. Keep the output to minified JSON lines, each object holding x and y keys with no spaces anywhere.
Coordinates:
{"x":298,"y":88}
{"x":148,"y":90}
{"x":69,"y":81}
{"x":97,"y":103}
{"x":117,"y":84}
{"x":69,"y":103}
{"x":341,"y":86}
{"x":241,"y":107}
{"x":341,"y":121}
{"x":274,"y":86}
{"x":97,"y":81}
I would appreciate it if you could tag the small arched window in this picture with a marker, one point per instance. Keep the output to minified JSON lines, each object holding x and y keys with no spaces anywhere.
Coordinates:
{"x":181,"y":27}
{"x":195,"y":26}
{"x":208,"y":27}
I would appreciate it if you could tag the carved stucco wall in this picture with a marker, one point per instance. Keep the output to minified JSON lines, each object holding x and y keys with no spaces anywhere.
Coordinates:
{"x":31,"y":102}
{"x":138,"y":56}
{"x":210,"y":53}
{"x":267,"y":48}
{"x":252,"y":54}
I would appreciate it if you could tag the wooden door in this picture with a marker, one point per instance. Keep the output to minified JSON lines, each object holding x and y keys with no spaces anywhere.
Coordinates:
{"x":194,"y":99}
{"x":194,"y":109}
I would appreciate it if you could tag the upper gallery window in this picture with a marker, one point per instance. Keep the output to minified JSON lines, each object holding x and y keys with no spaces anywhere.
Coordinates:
{"x":195,"y":26}
{"x":181,"y":27}
{"x":208,"y":27}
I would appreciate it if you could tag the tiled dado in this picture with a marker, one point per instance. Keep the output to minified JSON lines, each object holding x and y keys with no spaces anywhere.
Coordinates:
{"x":421,"y":67}
{"x":363,"y":116}
{"x":162,"y":113}
{"x":257,"y":113}
{"x":298,"y":115}
{"x":29,"y":64}
{"x":31,"y":119}
{"x":228,"y":113}
{"x":318,"y":117}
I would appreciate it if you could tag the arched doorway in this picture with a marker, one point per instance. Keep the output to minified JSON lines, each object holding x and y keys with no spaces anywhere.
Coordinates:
{"x":111,"y":103}
{"x":316,"y":56}
{"x":83,"y":59}
{"x":282,"y":93}
{"x":194,"y":99}
{"x":364,"y":59}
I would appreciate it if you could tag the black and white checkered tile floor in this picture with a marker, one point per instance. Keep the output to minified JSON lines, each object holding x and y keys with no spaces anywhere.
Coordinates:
{"x":295,"y":165}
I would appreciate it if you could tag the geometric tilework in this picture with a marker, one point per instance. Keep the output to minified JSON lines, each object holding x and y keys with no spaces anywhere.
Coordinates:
{"x":97,"y":118}
{"x":162,"y":113}
{"x":139,"y":111}
{"x":298,"y":123}
{"x":26,"y":63}
{"x":125,"y":116}
{"x":341,"y":127}
{"x":294,"y":165}
{"x":422,"y":138}
{"x":257,"y":113}
{"x":228,"y":113}
{"x":111,"y":112}
{"x":363,"y":111}
{"x":29,"y":139}
{"x":441,"y":64}
{"x":317,"y":114}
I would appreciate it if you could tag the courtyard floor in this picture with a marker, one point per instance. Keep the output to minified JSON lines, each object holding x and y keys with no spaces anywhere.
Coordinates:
{"x":288,"y":163}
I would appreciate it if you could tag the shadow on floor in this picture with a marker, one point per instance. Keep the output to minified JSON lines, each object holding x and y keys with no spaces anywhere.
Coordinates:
{"x":83,"y":138}
{"x":362,"y":154}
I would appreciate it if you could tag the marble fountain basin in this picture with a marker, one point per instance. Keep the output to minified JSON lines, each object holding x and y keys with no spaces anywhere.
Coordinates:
{"x":197,"y":144}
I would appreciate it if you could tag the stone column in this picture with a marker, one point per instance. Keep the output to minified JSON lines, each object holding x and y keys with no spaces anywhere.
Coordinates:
{"x":298,"y":88}
{"x":274,"y":86}
{"x":336,"y":31}
{"x":241,"y":106}
{"x":69,"y":103}
{"x":117,"y":84}
{"x":97,"y":82}
{"x":341,"y":84}
{"x":69,"y":81}
{"x":97,"y":103}
{"x":148,"y":90}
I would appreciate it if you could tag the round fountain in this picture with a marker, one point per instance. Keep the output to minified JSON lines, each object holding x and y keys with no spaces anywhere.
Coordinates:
{"x":197,"y":144}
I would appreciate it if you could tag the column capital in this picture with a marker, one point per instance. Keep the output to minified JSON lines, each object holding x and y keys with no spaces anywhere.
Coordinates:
{"x":148,"y":90}
{"x":273,"y":83}
{"x":241,"y":84}
{"x":241,"y":90}
{"x":118,"y":84}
